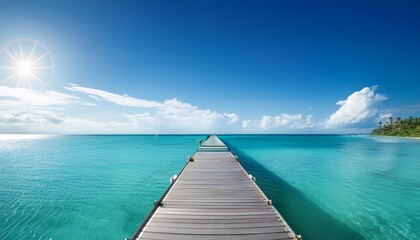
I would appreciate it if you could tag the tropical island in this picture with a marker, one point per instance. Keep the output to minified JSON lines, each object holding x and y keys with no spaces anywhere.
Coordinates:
{"x":409,"y":127}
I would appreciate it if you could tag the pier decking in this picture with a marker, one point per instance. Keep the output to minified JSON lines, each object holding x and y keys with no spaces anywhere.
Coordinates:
{"x":214,"y":198}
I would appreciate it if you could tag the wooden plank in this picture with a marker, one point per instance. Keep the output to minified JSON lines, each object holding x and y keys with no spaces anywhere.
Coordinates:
{"x":203,"y":217}
{"x":215,"y":231}
{"x":215,"y":205}
{"x":214,"y":225}
{"x":168,"y":236}
{"x":183,"y":211}
{"x":220,"y":221}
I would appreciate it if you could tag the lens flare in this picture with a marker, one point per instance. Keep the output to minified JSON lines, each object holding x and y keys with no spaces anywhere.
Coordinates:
{"x":25,"y":63}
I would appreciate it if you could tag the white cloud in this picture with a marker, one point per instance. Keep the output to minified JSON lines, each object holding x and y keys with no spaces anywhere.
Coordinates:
{"x":286,"y":121}
{"x":70,"y":125}
{"x":123,"y":100}
{"x":234,"y":118}
{"x":177,"y":116}
{"x":280,"y":123}
{"x":170,"y":115}
{"x":172,"y":110}
{"x":49,"y":112}
{"x":35,"y":117}
{"x":56,"y":112}
{"x":26,"y":98}
{"x":27,"y":110}
{"x":266,"y":122}
{"x":246,"y":123}
{"x":142,"y":122}
{"x":358,"y":107}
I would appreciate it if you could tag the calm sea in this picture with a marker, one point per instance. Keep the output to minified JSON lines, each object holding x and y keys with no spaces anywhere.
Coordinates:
{"x":101,"y":187}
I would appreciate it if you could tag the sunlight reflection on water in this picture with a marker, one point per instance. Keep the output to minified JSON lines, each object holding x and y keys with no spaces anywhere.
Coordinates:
{"x":24,"y":136}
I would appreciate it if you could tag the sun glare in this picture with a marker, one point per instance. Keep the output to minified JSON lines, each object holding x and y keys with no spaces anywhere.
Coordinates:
{"x":25,"y":63}
{"x":25,"y":68}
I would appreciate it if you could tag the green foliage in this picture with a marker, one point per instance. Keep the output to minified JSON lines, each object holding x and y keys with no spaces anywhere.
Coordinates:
{"x":409,"y":127}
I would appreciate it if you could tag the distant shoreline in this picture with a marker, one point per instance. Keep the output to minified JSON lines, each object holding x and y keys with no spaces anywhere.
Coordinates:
{"x":416,"y":138}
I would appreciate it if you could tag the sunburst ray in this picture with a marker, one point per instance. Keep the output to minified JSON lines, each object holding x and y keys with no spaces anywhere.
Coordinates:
{"x":25,"y":63}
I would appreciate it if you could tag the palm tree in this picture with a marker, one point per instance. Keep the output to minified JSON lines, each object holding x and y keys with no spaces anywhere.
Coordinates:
{"x":390,"y":119}
{"x":380,"y":124}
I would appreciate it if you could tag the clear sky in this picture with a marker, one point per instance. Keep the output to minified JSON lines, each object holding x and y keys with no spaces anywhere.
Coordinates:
{"x":210,"y":66}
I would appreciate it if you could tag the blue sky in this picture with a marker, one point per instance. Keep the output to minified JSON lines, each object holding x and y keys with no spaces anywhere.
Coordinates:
{"x":215,"y":66}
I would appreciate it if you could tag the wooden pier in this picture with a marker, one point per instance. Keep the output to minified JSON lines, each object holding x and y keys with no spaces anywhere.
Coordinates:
{"x":213,"y":197}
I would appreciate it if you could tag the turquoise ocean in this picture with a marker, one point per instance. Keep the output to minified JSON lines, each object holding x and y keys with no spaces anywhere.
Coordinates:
{"x":102,"y":186}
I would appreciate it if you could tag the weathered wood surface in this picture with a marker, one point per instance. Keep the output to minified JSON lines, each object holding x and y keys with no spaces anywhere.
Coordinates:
{"x":214,"y":198}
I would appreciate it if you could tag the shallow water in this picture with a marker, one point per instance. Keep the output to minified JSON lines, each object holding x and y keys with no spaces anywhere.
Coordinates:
{"x":101,"y":187}
{"x":338,"y":187}
{"x":84,"y":187}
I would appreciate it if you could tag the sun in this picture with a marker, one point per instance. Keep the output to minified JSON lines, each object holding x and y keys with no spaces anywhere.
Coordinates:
{"x":25,"y":69}
{"x":25,"y":63}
